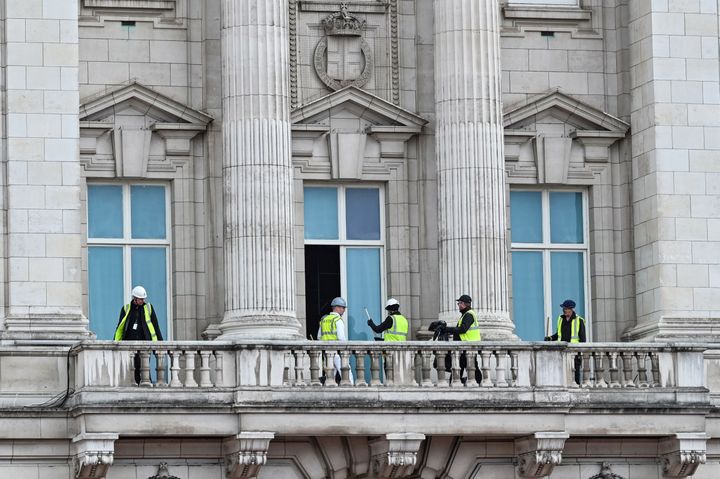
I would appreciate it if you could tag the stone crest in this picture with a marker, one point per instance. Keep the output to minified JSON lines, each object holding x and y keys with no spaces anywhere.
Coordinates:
{"x":343,"y":57}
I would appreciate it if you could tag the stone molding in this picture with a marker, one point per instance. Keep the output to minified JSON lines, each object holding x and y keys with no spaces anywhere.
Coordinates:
{"x":131,"y":4}
{"x":359,"y":6}
{"x":578,"y":21}
{"x":92,"y":454}
{"x":681,"y":454}
{"x":395,"y":456}
{"x":540,"y":453}
{"x":246,"y":454}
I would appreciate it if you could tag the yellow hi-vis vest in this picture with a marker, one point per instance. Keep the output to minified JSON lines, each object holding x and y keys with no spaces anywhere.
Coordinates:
{"x":473,"y":334}
{"x":328,"y":327}
{"x":399,"y":330}
{"x":574,"y":328}
{"x":121,"y":327}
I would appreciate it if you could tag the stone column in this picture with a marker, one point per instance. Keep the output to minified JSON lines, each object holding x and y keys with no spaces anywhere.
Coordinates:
{"x":42,"y":294}
{"x":257,"y":172}
{"x":471,"y":176}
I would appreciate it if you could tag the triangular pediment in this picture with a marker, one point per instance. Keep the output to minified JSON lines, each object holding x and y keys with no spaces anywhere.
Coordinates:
{"x":563,"y":108}
{"x":358,"y":103}
{"x":136,"y":99}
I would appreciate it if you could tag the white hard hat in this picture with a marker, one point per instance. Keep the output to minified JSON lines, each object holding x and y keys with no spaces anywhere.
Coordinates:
{"x":338,"y":302}
{"x":392,"y":302}
{"x":139,"y":292}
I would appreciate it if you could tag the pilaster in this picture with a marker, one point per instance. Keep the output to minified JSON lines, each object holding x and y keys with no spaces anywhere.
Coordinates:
{"x":43,"y":288}
{"x":472,"y":218}
{"x":257,"y":172}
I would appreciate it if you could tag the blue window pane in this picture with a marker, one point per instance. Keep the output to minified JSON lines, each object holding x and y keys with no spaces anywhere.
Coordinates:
{"x":526,"y":217}
{"x":363,"y":291}
{"x":362,"y":213}
{"x":566,"y":218}
{"x":105,"y":289}
{"x":528,"y":295}
{"x":148,"y":212}
{"x":568,"y":280}
{"x":105,"y":211}
{"x":149,"y":270}
{"x":321,"y":213}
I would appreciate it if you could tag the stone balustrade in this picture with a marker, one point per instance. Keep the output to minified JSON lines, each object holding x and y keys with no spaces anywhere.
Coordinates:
{"x":299,"y":365}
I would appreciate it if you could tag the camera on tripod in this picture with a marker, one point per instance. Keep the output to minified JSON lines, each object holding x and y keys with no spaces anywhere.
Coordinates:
{"x":439,"y":328}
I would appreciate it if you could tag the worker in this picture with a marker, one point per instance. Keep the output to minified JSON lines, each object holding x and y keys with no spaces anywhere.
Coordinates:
{"x":395,"y":326}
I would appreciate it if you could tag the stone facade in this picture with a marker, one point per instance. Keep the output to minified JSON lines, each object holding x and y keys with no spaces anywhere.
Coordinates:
{"x":446,"y":107}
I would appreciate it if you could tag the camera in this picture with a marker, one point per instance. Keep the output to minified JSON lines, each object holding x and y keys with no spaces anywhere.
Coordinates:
{"x":440,"y":330}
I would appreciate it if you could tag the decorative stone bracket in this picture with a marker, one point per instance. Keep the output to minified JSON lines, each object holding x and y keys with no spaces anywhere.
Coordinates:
{"x":396,"y":455}
{"x":681,"y":454}
{"x":540,"y":453}
{"x":93,"y":454}
{"x":246,"y":453}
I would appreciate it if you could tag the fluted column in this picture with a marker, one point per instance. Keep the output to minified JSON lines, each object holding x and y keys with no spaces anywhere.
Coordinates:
{"x":471,"y":177}
{"x":257,"y":172}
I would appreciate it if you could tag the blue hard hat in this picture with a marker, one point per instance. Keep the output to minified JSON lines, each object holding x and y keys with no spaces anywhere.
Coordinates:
{"x":339,"y":302}
{"x":568,"y":303}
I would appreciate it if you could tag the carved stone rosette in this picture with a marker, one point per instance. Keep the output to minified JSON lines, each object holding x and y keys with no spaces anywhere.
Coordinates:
{"x":246,"y":454}
{"x":93,"y":454}
{"x":395,"y":456}
{"x":681,"y":454}
{"x":540,"y":453}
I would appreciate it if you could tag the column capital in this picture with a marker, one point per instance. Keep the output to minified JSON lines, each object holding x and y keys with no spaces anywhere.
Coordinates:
{"x":681,"y":454}
{"x":92,"y":454}
{"x":540,"y":453}
{"x":246,"y":453}
{"x":396,"y":455}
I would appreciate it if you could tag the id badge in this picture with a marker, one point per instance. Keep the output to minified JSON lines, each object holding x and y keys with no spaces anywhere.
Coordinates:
{"x":135,"y":326}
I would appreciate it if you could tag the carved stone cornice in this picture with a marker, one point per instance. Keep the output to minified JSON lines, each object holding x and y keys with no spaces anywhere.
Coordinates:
{"x":395,"y":456}
{"x":540,"y":453}
{"x":92,"y":454}
{"x":246,"y":454}
{"x":681,"y":454}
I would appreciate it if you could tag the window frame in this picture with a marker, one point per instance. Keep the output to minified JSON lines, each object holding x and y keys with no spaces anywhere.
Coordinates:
{"x":547,"y":248}
{"x":127,"y":242}
{"x":342,"y":241}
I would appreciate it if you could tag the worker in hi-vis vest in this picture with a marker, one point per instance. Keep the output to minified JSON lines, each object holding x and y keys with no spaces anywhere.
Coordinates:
{"x":395,"y":326}
{"x":467,"y":329}
{"x":138,"y":323}
{"x":332,"y":328}
{"x":571,"y":329}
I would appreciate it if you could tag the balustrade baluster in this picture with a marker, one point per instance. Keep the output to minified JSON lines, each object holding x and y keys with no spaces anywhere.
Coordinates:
{"x":360,"y":380}
{"x":375,"y":368}
{"x":614,"y":370}
{"x":205,"y":369}
{"x":345,"y":369}
{"x":500,"y":369}
{"x":145,"y":369}
{"x":175,"y":369}
{"x":315,"y":359}
{"x":390,"y":368}
{"x":190,"y":369}
{"x":600,"y":370}
{"x":486,"y":379}
{"x":440,"y":368}
{"x":586,"y":378}
{"x":160,"y":368}
{"x":426,"y":368}
{"x":219,"y":379}
{"x":455,"y":380}
{"x":471,"y":367}
{"x":655,"y":365}
{"x":514,"y":368}
{"x":627,"y":358}
{"x":642,"y":370}
{"x":299,"y":366}
{"x":330,"y":369}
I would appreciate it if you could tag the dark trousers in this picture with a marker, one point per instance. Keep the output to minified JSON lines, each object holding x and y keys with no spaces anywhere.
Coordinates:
{"x":578,"y":369}
{"x":136,"y":363}
{"x":463,"y":366}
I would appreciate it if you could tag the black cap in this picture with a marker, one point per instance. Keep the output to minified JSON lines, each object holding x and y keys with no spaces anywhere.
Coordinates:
{"x":465,"y":299}
{"x":568,"y":303}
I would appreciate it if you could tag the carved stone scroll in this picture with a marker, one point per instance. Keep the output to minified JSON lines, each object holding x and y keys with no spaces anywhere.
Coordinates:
{"x":246,"y":454}
{"x":540,"y":453}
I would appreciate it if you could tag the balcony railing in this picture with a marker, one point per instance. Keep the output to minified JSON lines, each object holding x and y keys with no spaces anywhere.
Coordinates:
{"x":303,"y":365}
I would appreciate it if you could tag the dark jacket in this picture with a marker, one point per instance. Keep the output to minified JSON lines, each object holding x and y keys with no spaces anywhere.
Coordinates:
{"x":466,"y":322}
{"x":567,"y":331}
{"x":385,"y":325}
{"x":137,"y":316}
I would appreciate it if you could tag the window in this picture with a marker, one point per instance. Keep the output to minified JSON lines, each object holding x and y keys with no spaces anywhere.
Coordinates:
{"x":344,"y":243}
{"x":128,"y":245}
{"x":549,"y":258}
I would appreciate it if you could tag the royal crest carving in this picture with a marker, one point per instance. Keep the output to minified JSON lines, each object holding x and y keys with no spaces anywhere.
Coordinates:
{"x":343,"y":57}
